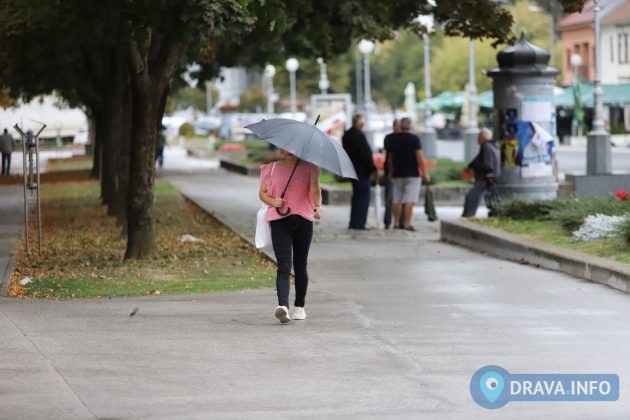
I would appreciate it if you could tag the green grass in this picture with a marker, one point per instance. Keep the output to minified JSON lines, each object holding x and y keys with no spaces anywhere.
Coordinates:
{"x":223,"y":278}
{"x":552,"y":233}
{"x":69,"y":164}
{"x":328,"y":178}
{"x":83,"y":251}
{"x":452,"y":183}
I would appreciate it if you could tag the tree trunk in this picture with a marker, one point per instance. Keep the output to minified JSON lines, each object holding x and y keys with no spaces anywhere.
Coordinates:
{"x":120,"y":132}
{"x":96,"y":151}
{"x":122,"y":137}
{"x":107,"y":156}
{"x":153,"y":59}
{"x":140,"y":206}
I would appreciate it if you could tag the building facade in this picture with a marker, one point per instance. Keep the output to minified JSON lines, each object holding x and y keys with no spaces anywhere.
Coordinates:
{"x":577,"y":33}
{"x":615,"y":45}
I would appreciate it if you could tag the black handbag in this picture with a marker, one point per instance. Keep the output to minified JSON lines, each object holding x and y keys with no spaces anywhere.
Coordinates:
{"x":429,"y":205}
{"x":493,"y":200}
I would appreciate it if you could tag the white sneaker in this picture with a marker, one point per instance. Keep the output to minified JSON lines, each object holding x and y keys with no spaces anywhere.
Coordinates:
{"x":282,"y":313}
{"x":298,"y":313}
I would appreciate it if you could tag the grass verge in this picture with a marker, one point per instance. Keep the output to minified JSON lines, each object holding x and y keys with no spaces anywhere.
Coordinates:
{"x":82,"y":253}
{"x":552,"y":233}
{"x":74,"y":163}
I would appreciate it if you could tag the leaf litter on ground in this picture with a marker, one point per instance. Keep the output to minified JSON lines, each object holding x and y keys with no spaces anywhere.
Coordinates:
{"x":82,"y":250}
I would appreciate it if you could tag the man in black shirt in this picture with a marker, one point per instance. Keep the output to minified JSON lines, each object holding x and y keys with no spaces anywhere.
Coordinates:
{"x":406,"y":157}
{"x":389,"y":190}
{"x":358,"y":149}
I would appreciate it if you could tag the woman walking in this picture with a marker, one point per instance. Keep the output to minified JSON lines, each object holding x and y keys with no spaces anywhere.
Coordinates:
{"x":291,"y":220}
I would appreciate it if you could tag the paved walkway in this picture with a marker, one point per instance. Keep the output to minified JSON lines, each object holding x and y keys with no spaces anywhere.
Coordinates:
{"x":397,"y":324}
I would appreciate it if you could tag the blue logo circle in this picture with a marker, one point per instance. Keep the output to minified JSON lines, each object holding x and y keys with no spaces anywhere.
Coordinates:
{"x":489,"y":387}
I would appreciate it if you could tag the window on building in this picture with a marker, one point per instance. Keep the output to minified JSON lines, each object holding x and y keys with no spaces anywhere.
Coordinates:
{"x":586,"y":62}
{"x":612,"y":49}
{"x":622,"y":48}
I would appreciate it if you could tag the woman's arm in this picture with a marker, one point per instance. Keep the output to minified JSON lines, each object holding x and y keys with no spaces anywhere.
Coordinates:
{"x":266,"y":198}
{"x":316,"y":196}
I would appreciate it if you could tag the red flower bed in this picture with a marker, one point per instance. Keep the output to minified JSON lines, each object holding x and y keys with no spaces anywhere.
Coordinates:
{"x":232,"y":147}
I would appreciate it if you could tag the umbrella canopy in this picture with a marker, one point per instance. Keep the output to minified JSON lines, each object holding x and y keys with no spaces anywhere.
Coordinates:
{"x":306,"y":142}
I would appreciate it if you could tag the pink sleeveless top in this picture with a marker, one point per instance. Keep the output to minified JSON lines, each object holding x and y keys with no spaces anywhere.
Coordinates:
{"x":297,"y":196}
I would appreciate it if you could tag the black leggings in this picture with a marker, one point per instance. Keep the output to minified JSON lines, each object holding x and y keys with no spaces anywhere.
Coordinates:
{"x":291,"y":237}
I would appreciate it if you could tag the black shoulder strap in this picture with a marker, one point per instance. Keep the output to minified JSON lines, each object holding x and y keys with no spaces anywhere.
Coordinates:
{"x":290,"y":177}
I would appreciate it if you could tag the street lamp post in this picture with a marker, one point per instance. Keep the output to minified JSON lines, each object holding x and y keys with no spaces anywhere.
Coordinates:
{"x":292,"y":64}
{"x":472,"y":131}
{"x":598,"y":151}
{"x":428,"y":134}
{"x":358,"y":81}
{"x":269,"y":72}
{"x":324,"y":84}
{"x":576,"y":62}
{"x":366,"y":47}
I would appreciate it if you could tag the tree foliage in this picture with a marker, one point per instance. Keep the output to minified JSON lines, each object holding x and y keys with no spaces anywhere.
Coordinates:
{"x":118,"y":58}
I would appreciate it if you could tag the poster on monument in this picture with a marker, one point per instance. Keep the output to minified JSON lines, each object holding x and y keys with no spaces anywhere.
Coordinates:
{"x":536,"y":109}
{"x":535,"y":150}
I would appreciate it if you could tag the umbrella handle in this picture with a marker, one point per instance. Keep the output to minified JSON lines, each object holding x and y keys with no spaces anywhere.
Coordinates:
{"x":281,"y":213}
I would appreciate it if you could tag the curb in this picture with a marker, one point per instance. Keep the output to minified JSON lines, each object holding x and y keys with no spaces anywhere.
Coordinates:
{"x":516,"y":248}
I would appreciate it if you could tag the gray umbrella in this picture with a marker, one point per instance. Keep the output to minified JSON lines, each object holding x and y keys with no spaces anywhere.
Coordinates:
{"x":307,"y":142}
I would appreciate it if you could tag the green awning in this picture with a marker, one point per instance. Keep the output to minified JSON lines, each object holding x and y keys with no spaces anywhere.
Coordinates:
{"x":486,"y":99}
{"x":615,"y":95}
{"x":453,"y":101}
{"x":443,"y":101}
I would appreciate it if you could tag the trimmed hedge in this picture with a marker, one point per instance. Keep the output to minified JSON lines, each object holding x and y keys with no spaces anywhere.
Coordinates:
{"x":567,"y":212}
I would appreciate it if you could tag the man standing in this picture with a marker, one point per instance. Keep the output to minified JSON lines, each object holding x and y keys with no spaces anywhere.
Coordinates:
{"x":407,"y":156}
{"x":7,"y":145}
{"x":356,"y":146}
{"x":486,"y":166}
{"x":389,"y":196}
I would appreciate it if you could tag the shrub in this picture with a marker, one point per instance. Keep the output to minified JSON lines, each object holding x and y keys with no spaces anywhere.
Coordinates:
{"x":624,"y":229}
{"x":187,"y":130}
{"x":573,"y":211}
{"x":260,"y":156}
{"x":446,"y":170}
{"x":569,"y":213}
{"x":519,"y":209}
{"x":599,"y":226}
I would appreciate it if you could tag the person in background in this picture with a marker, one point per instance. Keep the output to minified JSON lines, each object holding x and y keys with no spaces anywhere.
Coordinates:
{"x":291,"y":233}
{"x":389,"y":196}
{"x":356,"y":146}
{"x":159,"y":146}
{"x":486,"y":167}
{"x":7,"y":146}
{"x":407,"y":157}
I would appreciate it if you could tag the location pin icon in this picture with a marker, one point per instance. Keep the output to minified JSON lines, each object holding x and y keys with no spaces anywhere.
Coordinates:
{"x":491,"y":384}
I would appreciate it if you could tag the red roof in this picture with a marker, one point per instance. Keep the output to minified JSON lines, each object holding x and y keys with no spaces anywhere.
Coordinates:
{"x":621,"y":15}
{"x":586,"y":16}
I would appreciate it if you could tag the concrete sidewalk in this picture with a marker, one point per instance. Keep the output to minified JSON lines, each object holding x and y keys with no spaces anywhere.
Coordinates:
{"x":397,"y":325}
{"x":11,"y":227}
